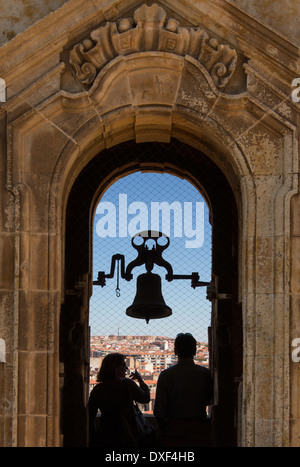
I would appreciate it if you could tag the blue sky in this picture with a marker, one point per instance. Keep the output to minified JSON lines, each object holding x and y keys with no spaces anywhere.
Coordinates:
{"x":131,"y":199}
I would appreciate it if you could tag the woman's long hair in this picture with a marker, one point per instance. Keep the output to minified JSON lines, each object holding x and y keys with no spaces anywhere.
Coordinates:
{"x":108,"y":366}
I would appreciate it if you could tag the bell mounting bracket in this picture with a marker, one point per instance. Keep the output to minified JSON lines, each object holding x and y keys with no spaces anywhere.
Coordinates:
{"x":147,"y":256}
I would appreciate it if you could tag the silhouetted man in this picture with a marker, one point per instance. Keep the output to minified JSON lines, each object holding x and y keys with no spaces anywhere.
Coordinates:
{"x":183,"y":392}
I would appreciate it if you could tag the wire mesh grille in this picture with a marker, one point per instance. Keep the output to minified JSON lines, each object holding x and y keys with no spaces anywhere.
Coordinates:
{"x":135,"y":203}
{"x":149,"y":347}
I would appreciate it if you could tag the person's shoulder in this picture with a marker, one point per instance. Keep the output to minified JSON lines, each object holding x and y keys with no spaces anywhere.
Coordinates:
{"x":96,"y":389}
{"x":128,"y":381}
{"x":167,"y":371}
{"x":202,"y":369}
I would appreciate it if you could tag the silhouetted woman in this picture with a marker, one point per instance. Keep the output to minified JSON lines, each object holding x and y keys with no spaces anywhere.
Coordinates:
{"x":113,"y":396}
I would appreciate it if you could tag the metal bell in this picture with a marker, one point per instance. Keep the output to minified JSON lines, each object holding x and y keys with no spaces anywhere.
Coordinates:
{"x":149,"y":302}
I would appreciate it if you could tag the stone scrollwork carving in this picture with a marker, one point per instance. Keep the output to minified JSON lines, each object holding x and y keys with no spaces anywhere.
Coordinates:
{"x":151,"y":30}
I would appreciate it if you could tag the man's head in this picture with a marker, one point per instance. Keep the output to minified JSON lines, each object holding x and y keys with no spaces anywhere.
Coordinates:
{"x":185,"y":346}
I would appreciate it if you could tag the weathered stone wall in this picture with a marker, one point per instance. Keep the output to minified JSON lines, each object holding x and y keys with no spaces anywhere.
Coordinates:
{"x":295,"y":322}
{"x":18,"y":15}
{"x":69,"y":97}
{"x":280,"y":15}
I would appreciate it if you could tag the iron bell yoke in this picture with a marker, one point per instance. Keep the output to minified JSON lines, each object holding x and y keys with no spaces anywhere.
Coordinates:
{"x":148,"y":302}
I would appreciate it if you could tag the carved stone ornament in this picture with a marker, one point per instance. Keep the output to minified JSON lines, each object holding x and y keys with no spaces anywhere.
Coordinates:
{"x":151,"y":30}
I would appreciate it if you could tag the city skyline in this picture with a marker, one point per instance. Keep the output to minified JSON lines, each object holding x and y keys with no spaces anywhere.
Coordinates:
{"x":148,"y":354}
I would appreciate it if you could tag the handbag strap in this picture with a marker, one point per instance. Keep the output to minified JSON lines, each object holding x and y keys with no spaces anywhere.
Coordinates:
{"x":128,"y":392}
{"x":133,"y":403}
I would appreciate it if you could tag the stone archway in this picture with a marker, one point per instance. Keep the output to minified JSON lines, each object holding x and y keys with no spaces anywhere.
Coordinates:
{"x":219,"y":103}
{"x":226,"y":329}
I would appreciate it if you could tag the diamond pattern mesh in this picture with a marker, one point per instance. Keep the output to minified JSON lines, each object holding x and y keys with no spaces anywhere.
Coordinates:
{"x":149,"y":347}
{"x":191,"y":310}
{"x":133,"y":203}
